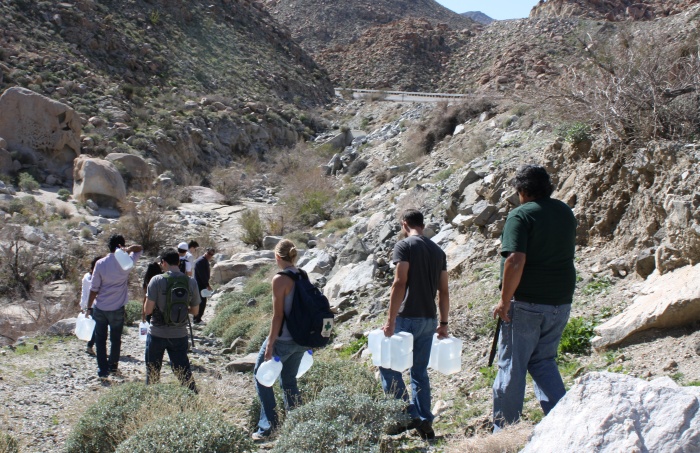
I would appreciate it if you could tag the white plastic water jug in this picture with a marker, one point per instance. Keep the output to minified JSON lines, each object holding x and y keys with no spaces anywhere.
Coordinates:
{"x":386,"y":353}
{"x":432,"y":362}
{"x":206,"y":293}
{"x":143,"y":331}
{"x":448,"y":356}
{"x":374,"y":344}
{"x":269,"y":371}
{"x":401,"y":351}
{"x":305,"y":363}
{"x":123,"y":259}
{"x":84,"y":327}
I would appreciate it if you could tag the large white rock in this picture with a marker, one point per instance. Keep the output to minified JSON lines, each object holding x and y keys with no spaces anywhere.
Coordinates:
{"x":97,"y":179}
{"x":34,"y":123}
{"x":226,"y":271}
{"x":611,"y":413}
{"x":665,"y":301}
{"x":141,"y":175}
{"x":348,"y":279}
{"x":316,"y":261}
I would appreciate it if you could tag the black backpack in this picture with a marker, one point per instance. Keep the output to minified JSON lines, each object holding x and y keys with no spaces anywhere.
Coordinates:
{"x":310,"y":320}
{"x":177,"y":299}
{"x":183,"y":265}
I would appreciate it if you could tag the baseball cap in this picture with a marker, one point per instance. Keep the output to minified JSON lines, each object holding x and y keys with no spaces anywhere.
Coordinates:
{"x":182,"y":246}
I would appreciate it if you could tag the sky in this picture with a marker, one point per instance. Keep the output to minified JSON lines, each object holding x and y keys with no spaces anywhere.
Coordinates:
{"x":496,"y":9}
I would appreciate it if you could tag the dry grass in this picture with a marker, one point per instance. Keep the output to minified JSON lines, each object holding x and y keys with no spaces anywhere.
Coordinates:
{"x":509,"y":440}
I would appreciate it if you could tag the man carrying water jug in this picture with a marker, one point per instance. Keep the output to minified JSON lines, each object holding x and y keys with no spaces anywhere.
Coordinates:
{"x":537,"y":286}
{"x":109,"y":293}
{"x":421,"y":273}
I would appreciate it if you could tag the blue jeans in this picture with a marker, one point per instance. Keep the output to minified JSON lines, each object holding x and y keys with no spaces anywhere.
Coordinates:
{"x":422,"y":330}
{"x":115,"y":321}
{"x":528,"y":343}
{"x":290,"y":354}
{"x":179,"y":362}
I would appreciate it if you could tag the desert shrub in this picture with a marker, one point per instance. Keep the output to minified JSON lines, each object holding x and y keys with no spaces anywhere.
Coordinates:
{"x":143,"y":223}
{"x":340,"y":224}
{"x":575,"y":132}
{"x":354,"y":377}
{"x":299,"y":238}
{"x":63,"y":194}
{"x":175,"y":434}
{"x":85,"y":233}
{"x":64,"y":211}
{"x":8,"y":444}
{"x":237,"y":329}
{"x":132,"y":312}
{"x":347,"y":193}
{"x":27,"y":182}
{"x":252,"y":225}
{"x":338,"y":421}
{"x":116,"y":409}
{"x":257,"y":336}
{"x":576,"y":338}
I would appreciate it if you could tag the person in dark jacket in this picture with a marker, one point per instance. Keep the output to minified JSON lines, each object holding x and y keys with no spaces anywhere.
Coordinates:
{"x":202,"y":274}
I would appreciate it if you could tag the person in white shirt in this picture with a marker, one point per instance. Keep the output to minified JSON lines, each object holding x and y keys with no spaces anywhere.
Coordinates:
{"x":186,"y":262}
{"x":84,"y":296}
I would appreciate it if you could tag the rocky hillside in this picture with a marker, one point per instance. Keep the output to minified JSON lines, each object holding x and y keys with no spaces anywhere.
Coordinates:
{"x":478,"y":16}
{"x":201,"y":80}
{"x":612,"y":10}
{"x":320,"y":25}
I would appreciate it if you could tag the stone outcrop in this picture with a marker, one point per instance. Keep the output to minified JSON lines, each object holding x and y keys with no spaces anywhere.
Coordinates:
{"x":612,"y":412}
{"x":138,"y":174}
{"x":47,"y":132}
{"x":668,"y":300}
{"x":97,"y":180}
{"x":225,"y":271}
{"x":612,"y":10}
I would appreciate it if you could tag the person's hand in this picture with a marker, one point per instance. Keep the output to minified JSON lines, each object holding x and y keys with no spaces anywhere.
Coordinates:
{"x":442,"y":332}
{"x":269,"y":350}
{"x":389,"y":328}
{"x":501,"y":310}
{"x":88,"y":312}
{"x":209,"y":288}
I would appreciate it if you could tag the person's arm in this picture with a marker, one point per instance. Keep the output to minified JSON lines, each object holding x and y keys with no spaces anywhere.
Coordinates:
{"x":512,"y":273}
{"x":149,"y":306}
{"x":398,"y":293}
{"x":443,"y":304}
{"x":196,"y":300}
{"x":280,"y":287}
{"x":188,"y":268}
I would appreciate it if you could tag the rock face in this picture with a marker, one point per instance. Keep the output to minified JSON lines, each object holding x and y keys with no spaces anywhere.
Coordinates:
{"x":136,"y":170}
{"x":97,"y":180}
{"x":613,"y":10}
{"x":39,"y":126}
{"x":669,"y":300}
{"x":608,"y":412}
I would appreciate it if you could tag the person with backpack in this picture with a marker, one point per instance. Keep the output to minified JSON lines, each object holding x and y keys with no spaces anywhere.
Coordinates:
{"x":184,"y":263}
{"x":421,"y":273}
{"x":280,"y":342}
{"x":171,"y":297}
{"x":202,"y":274}
{"x":109,"y":293}
{"x":85,"y":295}
{"x":152,"y":270}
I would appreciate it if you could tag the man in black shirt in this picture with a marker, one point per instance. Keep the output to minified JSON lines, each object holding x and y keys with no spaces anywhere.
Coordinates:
{"x":202,"y":274}
{"x":421,"y":273}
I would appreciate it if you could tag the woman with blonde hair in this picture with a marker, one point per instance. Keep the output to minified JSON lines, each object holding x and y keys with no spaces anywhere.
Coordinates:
{"x":279,"y":343}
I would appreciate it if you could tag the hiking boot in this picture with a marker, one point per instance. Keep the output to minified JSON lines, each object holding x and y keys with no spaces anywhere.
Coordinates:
{"x":425,"y":430}
{"x":90,"y":350}
{"x":402,"y":427}
{"x":260,"y":436}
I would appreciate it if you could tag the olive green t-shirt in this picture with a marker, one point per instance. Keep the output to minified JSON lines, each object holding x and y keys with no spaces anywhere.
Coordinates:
{"x":545,"y":231}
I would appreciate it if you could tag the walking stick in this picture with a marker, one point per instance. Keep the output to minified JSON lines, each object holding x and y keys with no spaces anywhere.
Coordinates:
{"x":494,"y":345}
{"x":191,"y":335}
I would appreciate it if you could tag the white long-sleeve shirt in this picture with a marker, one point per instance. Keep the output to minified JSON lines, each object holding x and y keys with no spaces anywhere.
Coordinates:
{"x":87,"y":281}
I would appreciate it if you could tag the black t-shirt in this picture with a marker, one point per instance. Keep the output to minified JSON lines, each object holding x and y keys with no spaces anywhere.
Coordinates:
{"x":426,"y":262}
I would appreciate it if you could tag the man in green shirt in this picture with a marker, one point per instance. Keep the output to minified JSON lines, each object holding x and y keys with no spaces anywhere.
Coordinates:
{"x":537,"y":287}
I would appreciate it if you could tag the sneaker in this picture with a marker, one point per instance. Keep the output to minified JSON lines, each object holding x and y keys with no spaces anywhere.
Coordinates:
{"x":401,"y":427}
{"x":90,"y":350}
{"x":425,"y":430}
{"x":260,"y":436}
{"x":196,"y":321}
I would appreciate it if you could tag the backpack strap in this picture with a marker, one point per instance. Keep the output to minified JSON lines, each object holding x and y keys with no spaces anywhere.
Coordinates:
{"x":295,"y":276}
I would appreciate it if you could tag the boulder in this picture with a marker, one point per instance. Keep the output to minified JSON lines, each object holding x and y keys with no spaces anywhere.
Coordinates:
{"x":64,"y":327}
{"x":99,"y":180}
{"x":32,"y":234}
{"x":30,"y":122}
{"x":226,"y":271}
{"x":5,"y":161}
{"x":646,"y":262}
{"x":136,"y":169}
{"x":666,"y":301}
{"x":270,"y":242}
{"x":317,"y":261}
{"x":244,"y":364}
{"x":203,"y":195}
{"x":608,"y":412}
{"x":354,"y":251}
{"x":348,"y":279}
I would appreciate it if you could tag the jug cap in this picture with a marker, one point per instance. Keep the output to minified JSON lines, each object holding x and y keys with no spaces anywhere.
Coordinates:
{"x":310,"y":352}
{"x":277,"y":359}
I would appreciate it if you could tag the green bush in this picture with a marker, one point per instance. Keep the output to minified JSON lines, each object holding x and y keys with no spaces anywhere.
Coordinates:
{"x":27,"y":182}
{"x":114,"y":410}
{"x":575,"y":132}
{"x":352,"y":348}
{"x":63,"y":194}
{"x":338,"y":421}
{"x":252,"y":227}
{"x":354,"y":377}
{"x":299,"y":238}
{"x":8,"y":444}
{"x":238,"y":329}
{"x":576,"y":338}
{"x":188,"y":432}
{"x":132,"y":312}
{"x":257,"y":337}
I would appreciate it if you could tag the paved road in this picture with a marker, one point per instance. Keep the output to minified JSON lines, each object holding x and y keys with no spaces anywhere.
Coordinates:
{"x":403,"y":96}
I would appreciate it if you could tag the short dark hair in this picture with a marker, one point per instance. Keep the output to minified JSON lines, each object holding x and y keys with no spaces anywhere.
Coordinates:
{"x":211,"y":251}
{"x":115,"y":241}
{"x":413,"y":218}
{"x":92,"y":264}
{"x":533,"y":181}
{"x":170,"y":256}
{"x":193,"y":243}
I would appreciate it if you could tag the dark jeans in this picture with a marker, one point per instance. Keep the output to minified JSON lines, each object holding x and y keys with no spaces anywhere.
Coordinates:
{"x":115,"y":321}
{"x":179,"y":362}
{"x":202,"y":306}
{"x":91,"y":343}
